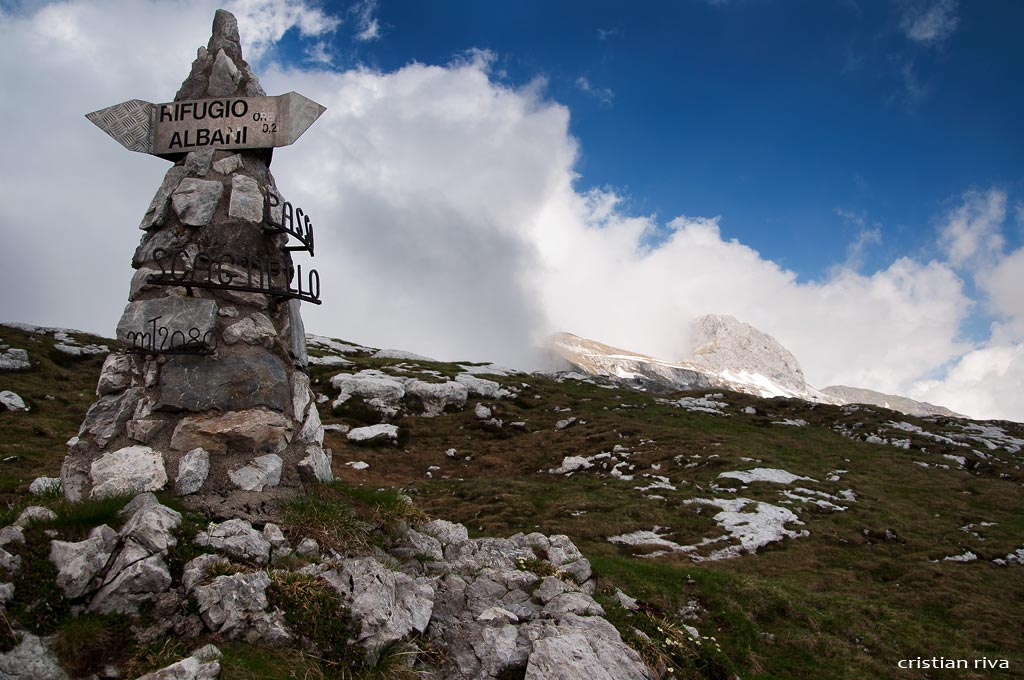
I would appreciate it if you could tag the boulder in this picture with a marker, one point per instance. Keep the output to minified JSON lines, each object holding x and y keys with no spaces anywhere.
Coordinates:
{"x":368,"y":384}
{"x":204,"y":664}
{"x":79,"y":563}
{"x":246,"y":199}
{"x":372,"y":434}
{"x":195,"y":200}
{"x":236,"y":606}
{"x":436,"y":397}
{"x":116,"y":374}
{"x":193,"y":468}
{"x":14,"y":360}
{"x":224,"y":77}
{"x":12,"y":401}
{"x":189,"y":322}
{"x":262,"y":472}
{"x":157,"y":211}
{"x":30,"y":660}
{"x":106,"y":418}
{"x":151,"y":524}
{"x":198,"y":163}
{"x":128,"y":470}
{"x":389,"y":605}
{"x":33,"y":514}
{"x":134,"y":584}
{"x":255,"y":329}
{"x":584,"y":647}
{"x":312,"y":431}
{"x":226,"y":166}
{"x":316,"y":466}
{"x":249,"y":430}
{"x":229,"y":383}
{"x":301,"y":395}
{"x":236,"y":537}
{"x":446,"y":532}
{"x":481,"y":387}
{"x":297,"y":334}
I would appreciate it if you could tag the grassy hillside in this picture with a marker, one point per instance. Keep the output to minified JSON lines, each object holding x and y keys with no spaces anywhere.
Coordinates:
{"x":867,"y":586}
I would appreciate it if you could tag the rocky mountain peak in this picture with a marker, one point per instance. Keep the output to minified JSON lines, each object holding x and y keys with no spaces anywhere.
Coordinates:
{"x":721,"y":343}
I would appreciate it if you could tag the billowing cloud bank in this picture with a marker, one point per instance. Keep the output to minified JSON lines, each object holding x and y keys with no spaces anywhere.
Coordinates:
{"x":449,"y":223}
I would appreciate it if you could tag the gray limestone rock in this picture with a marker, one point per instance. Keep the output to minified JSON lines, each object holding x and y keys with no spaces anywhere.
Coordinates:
{"x":262,"y":472}
{"x":203,"y":664}
{"x":193,"y":469}
{"x":297,"y":333}
{"x":30,"y":660}
{"x":12,"y":401}
{"x":189,"y":322}
{"x":11,"y":534}
{"x":228,"y":383}
{"x":369,"y":384}
{"x":33,"y":514}
{"x":151,"y":524}
{"x":236,"y":606}
{"x":226,"y":166}
{"x":436,"y":397}
{"x":389,"y":605}
{"x":144,"y":431}
{"x":168,"y":239}
{"x":584,"y":647}
{"x":195,"y":200}
{"x":9,"y":562}
{"x":424,"y":546}
{"x":78,"y":564}
{"x":133,"y":585}
{"x":238,"y":538}
{"x":197,"y":569}
{"x":312,"y":431}
{"x":316,"y":466}
{"x":249,"y":430}
{"x":562,"y":550}
{"x":372,"y":434}
{"x":198,"y":163}
{"x":106,"y":418}
{"x":273,"y":534}
{"x":225,"y":76}
{"x":157,"y":211}
{"x":14,"y":360}
{"x":246,"y":199}
{"x":446,"y":532}
{"x":255,"y":329}
{"x":307,"y":547}
{"x":301,"y":395}
{"x":129,"y":469}
{"x":116,"y":374}
{"x":572,"y":603}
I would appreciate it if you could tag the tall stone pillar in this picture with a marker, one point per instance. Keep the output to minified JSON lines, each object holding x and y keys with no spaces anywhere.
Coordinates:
{"x":211,"y":397}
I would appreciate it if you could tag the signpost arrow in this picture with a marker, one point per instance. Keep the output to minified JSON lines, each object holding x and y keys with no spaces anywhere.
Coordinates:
{"x":230,"y":123}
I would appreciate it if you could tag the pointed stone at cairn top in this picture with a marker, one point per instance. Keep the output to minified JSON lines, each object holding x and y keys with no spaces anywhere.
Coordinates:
{"x":219,"y":69}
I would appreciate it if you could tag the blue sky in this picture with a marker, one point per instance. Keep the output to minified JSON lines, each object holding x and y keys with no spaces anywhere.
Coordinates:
{"x":844,"y":176}
{"x":799,"y":122}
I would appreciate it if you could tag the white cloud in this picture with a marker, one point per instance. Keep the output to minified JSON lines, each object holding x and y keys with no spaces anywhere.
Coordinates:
{"x":261,"y":23}
{"x":447,"y":218}
{"x":972,"y":234}
{"x":929,"y":22}
{"x":369,"y":25}
{"x":602,"y":94}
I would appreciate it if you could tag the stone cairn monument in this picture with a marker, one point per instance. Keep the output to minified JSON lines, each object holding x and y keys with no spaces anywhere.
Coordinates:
{"x":210,"y":396}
